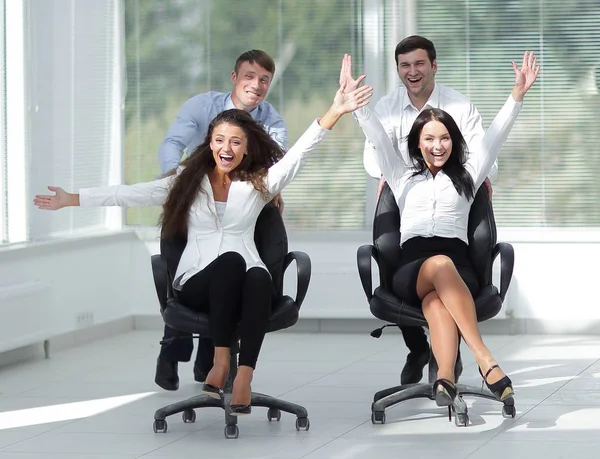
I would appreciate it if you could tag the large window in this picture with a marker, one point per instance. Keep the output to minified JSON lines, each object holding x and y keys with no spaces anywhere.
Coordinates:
{"x":549,"y":167}
{"x":178,"y":49}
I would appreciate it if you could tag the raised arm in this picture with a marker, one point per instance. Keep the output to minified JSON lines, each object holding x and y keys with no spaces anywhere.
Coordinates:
{"x":140,"y":194}
{"x":369,"y":160}
{"x":284,"y":171}
{"x":391,"y":165}
{"x":472,"y":130}
{"x":180,"y":134}
{"x":485,"y":154}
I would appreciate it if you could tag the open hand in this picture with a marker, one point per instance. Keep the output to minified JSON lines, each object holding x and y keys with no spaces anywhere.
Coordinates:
{"x":346,"y":102}
{"x":526,"y":75}
{"x":346,"y":80}
{"x":57,"y":201}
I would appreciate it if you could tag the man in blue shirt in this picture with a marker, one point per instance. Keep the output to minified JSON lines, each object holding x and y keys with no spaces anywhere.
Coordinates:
{"x":251,"y":77}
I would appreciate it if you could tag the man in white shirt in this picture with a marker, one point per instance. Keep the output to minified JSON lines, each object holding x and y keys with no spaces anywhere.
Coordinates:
{"x":416,"y":65}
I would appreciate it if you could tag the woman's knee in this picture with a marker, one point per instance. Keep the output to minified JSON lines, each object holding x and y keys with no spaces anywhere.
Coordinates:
{"x":439,"y":265}
{"x":258,"y":277}
{"x":233,"y":262}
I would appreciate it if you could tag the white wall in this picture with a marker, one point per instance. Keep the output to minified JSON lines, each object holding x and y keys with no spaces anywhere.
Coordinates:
{"x":45,"y":288}
{"x":53,"y":288}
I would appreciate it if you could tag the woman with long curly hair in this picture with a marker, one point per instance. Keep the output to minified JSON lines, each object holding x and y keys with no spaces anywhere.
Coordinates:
{"x":214,"y":199}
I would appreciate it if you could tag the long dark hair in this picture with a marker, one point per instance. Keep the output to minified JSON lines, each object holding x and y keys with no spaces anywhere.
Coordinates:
{"x":263,"y":152}
{"x":454,"y":167}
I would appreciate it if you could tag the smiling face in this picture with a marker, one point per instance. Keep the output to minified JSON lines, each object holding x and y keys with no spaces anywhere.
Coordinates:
{"x":435,"y":144}
{"x":417,"y":73}
{"x":228,"y":143}
{"x":250,"y":85}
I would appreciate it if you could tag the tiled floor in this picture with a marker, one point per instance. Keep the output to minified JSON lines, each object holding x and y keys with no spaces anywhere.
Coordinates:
{"x":98,"y":401}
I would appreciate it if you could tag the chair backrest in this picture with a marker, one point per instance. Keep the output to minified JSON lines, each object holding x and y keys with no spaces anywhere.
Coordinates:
{"x":269,"y":235}
{"x":481,"y":233}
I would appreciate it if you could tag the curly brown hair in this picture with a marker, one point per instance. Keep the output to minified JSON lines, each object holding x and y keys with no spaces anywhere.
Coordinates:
{"x":262,"y":153}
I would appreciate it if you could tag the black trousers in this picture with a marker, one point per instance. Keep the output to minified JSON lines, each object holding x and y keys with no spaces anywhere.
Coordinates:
{"x":236,"y":300}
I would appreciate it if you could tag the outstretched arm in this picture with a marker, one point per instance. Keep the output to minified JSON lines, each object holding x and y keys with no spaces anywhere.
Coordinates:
{"x":284,"y":171}
{"x":485,"y":154}
{"x":140,"y":194}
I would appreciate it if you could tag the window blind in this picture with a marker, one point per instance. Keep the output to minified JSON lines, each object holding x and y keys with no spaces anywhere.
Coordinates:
{"x":74,"y":107}
{"x":3,"y":157}
{"x":549,"y":167}
{"x":178,"y":49}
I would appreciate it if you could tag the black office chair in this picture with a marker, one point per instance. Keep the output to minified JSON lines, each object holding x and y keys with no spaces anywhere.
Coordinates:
{"x":272,"y":244}
{"x":386,"y":306}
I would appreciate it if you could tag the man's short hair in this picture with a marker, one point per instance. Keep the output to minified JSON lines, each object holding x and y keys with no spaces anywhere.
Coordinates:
{"x":413,"y":43}
{"x":256,"y":56}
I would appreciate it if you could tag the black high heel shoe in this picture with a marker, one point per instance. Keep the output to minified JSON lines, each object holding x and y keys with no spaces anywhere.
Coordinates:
{"x":502,"y":389}
{"x":445,"y":393}
{"x":213,"y":391}
{"x":240,"y":410}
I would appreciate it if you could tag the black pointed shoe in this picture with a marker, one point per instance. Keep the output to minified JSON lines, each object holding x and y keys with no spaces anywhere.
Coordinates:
{"x":166,"y":374}
{"x":412,"y":372}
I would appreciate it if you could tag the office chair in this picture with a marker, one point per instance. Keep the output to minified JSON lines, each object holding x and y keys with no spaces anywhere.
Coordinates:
{"x":386,"y":306}
{"x":272,"y":245}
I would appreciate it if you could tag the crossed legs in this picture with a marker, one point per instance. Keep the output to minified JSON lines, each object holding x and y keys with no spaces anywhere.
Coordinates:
{"x":449,"y":309}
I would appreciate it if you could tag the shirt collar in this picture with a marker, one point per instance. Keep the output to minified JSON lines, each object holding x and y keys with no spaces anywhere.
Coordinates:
{"x":432,"y":102}
{"x":229,"y":105}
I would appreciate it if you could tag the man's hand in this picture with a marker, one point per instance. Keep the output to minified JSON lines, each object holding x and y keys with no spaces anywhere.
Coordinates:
{"x":488,"y":187}
{"x":278,"y":201}
{"x":346,"y":81}
{"x":525,"y":76}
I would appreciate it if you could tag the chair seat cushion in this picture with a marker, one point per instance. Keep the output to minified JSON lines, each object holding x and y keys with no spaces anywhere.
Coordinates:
{"x":389,"y":308}
{"x":284,"y":314}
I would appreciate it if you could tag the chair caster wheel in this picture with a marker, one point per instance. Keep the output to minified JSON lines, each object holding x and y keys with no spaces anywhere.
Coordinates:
{"x":378,"y":417}
{"x":188,"y":416}
{"x":232,"y":431}
{"x":302,"y":424}
{"x":159,"y":426}
{"x":461,"y":419}
{"x":509,"y":411}
{"x":273,"y":414}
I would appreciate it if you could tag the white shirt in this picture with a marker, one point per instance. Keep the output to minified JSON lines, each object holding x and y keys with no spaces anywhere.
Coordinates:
{"x":220,"y":207}
{"x":208,"y":236}
{"x":397,"y":114}
{"x":431,"y":206}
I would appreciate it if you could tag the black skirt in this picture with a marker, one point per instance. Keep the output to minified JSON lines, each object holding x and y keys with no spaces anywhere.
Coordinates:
{"x":418,"y":249}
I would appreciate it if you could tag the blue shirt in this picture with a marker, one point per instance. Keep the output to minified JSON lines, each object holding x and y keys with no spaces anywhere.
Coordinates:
{"x":190,"y":127}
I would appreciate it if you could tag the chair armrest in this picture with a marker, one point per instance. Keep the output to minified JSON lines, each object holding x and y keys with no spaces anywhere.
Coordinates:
{"x":303,"y":267}
{"x":363,"y":259}
{"x":161,"y":280}
{"x":507,"y":263}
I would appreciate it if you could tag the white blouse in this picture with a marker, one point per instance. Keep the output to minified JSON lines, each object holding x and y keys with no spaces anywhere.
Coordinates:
{"x":431,"y":206}
{"x":209,"y":236}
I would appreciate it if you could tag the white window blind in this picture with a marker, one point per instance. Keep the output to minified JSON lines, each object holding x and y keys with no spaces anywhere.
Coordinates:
{"x":178,"y":49}
{"x":74,"y":119}
{"x":3,"y":158}
{"x":549,"y":167}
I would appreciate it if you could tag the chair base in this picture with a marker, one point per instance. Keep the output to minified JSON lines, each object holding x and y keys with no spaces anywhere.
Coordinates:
{"x":187,"y":407}
{"x":394,"y":395}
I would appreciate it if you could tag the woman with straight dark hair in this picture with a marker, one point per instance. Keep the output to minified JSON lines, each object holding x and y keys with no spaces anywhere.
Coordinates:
{"x":214,"y":199}
{"x":434,"y":198}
